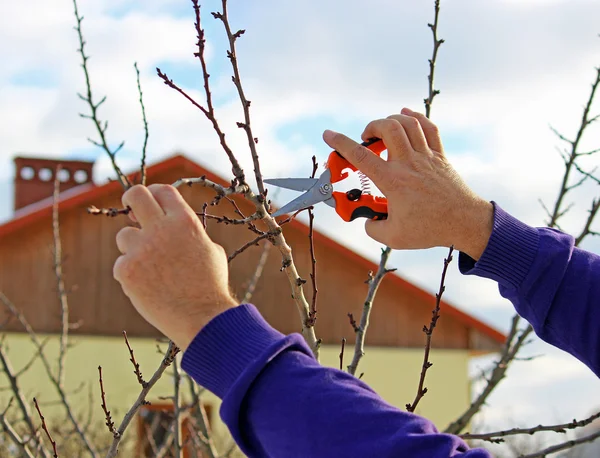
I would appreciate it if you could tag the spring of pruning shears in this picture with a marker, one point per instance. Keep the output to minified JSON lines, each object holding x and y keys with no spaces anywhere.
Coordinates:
{"x":356,"y":203}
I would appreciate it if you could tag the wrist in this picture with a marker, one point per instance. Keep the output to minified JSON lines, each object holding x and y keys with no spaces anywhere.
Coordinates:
{"x":199,"y":317}
{"x":476,"y":228}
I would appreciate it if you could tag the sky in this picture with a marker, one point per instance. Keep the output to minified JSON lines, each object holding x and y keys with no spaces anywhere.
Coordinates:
{"x":508,"y":70}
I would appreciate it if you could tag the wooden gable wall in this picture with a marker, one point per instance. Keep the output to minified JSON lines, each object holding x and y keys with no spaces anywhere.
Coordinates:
{"x":99,"y":306}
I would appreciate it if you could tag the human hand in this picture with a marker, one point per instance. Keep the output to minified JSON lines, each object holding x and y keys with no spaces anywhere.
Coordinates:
{"x":429,"y":204}
{"x":174,"y":274}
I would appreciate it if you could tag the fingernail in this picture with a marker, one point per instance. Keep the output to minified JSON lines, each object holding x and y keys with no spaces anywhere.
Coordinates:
{"x":407,"y":111}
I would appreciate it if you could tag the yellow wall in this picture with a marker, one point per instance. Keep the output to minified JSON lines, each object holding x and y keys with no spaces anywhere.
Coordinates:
{"x":393,"y":373}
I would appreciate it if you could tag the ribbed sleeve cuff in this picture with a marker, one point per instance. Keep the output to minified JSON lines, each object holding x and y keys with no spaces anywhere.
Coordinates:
{"x":229,"y":344}
{"x":509,"y":254}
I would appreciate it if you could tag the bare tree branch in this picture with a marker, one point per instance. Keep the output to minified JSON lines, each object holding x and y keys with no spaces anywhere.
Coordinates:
{"x":436,"y":46}
{"x":232,"y":55}
{"x":342,"y":354}
{"x":141,"y":399}
{"x":497,"y":375}
{"x":146,"y":130}
{"x":62,"y":293}
{"x":435,"y":315}
{"x":88,"y":98}
{"x":136,"y":366}
{"x":593,"y":211}
{"x":45,"y":428}
{"x":176,"y":409}
{"x":496,"y":436}
{"x":14,"y":436}
{"x":18,"y":395}
{"x":254,"y":242}
{"x":199,"y":414}
{"x":563,"y":446}
{"x":50,"y":373}
{"x":574,"y":153}
{"x":313,"y":275}
{"x":361,"y":330}
{"x":257,"y":273}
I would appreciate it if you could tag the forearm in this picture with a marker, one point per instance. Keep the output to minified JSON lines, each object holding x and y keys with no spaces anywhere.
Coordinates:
{"x":552,"y":284}
{"x":278,"y":401}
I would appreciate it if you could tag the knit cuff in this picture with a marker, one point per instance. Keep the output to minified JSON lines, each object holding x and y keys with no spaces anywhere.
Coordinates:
{"x":229,"y":344}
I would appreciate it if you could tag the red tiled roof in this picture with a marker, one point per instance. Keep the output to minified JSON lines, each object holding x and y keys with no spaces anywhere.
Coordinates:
{"x":88,"y":193}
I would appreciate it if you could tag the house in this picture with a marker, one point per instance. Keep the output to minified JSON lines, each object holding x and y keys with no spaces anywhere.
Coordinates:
{"x":100,"y":310}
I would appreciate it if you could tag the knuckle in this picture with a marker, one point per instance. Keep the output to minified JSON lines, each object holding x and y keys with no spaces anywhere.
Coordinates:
{"x":411,"y":122}
{"x":121,"y":269}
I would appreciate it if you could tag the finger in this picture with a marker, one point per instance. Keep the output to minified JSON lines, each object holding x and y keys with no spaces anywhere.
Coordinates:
{"x":127,"y":239}
{"x":143,"y":204}
{"x":378,"y":230}
{"x":169,"y":198}
{"x":413,"y":130}
{"x":393,"y":135}
{"x":359,"y":156}
{"x":430,"y":130}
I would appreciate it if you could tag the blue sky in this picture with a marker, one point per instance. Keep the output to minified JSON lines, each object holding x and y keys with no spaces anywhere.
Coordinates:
{"x":508,"y":69}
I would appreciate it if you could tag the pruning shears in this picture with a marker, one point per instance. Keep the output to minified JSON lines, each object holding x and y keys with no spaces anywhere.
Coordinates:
{"x":356,"y":203}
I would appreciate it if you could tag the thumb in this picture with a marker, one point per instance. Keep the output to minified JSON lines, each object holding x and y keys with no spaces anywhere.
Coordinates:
{"x":359,"y":156}
{"x":378,"y":230}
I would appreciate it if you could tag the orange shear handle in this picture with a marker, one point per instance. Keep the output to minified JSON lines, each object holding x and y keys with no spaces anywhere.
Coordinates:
{"x":367,"y":206}
{"x":337,"y":164}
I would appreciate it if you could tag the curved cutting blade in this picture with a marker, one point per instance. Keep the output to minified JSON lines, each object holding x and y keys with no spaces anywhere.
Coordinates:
{"x":296,"y":184}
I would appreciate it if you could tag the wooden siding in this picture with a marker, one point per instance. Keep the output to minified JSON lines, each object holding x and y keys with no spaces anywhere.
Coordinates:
{"x":99,"y":306}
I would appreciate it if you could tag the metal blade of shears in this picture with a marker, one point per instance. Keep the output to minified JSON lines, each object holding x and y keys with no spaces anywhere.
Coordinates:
{"x":296,"y":184}
{"x":321,"y":191}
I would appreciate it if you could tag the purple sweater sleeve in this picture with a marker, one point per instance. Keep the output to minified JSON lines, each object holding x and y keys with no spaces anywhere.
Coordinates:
{"x":552,"y":284}
{"x":278,"y":401}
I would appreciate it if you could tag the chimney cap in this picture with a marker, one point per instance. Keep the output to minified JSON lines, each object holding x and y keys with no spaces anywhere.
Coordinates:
{"x":34,"y":177}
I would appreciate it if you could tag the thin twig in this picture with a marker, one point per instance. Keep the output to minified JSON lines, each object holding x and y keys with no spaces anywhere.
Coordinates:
{"x":62,"y":293}
{"x":141,"y":399}
{"x":88,"y":98}
{"x":342,"y":353}
{"x":562,"y":428}
{"x":232,"y":55}
{"x":313,"y":275}
{"x":146,"y":130}
{"x":574,"y":153}
{"x":497,"y":375}
{"x":562,"y":446}
{"x":209,"y":111}
{"x":260,"y":265}
{"x":199,"y":414}
{"x":136,"y":365}
{"x":14,"y":437}
{"x":18,"y":395}
{"x":254,"y":242}
{"x":436,"y":46}
{"x":110,"y":424}
{"x":435,"y":315}
{"x":361,"y":330}
{"x":45,"y":428}
{"x":176,"y":409}
{"x":588,"y":224}
{"x":50,"y":373}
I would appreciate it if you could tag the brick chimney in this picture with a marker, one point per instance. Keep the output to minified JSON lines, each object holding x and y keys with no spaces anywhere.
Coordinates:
{"x":34,"y":178}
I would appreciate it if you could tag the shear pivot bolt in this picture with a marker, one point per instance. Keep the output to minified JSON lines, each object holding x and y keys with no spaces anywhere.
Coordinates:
{"x":325,"y":189}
